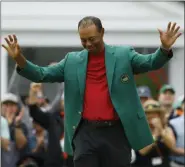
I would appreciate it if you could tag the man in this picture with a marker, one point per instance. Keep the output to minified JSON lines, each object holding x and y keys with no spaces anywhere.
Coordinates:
{"x":47,"y":152}
{"x":166,"y":99}
{"x":144,"y":93}
{"x":177,"y":125}
{"x":17,"y":145}
{"x":157,"y":154}
{"x":178,"y":110}
{"x":103,"y":114}
{"x":5,"y":133}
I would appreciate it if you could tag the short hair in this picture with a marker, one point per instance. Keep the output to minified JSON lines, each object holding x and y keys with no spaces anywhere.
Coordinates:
{"x":90,"y":20}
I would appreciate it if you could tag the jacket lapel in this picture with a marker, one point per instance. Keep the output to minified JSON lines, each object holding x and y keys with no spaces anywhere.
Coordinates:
{"x":81,"y":71}
{"x":110,"y":61}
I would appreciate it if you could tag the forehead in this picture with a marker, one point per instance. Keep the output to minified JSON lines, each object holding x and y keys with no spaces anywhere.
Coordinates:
{"x":168,"y":92}
{"x":9,"y":103}
{"x":88,"y":31}
{"x":152,"y":114}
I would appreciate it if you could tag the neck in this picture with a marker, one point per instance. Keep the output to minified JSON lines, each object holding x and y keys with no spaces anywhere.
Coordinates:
{"x":168,"y":108}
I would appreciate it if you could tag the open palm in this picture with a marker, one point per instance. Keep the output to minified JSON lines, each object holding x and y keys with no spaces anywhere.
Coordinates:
{"x":169,"y":37}
{"x":13,"y":47}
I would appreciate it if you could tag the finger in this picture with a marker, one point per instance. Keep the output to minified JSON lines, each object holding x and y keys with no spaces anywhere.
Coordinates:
{"x":160,"y":31}
{"x":178,"y":35}
{"x":173,"y":27}
{"x":10,"y":38}
{"x":169,"y":25}
{"x":176,"y":30}
{"x":8,"y":42}
{"x":15,"y":38}
{"x":5,"y":47}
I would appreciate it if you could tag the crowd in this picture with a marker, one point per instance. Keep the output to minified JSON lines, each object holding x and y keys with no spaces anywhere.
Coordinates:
{"x":32,"y":132}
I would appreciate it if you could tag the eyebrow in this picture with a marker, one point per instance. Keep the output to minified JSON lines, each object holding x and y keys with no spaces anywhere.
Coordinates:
{"x":90,"y":37}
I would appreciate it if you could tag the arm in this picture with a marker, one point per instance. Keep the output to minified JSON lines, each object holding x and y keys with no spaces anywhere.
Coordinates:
{"x":57,"y":101}
{"x":143,"y":63}
{"x":147,"y":149}
{"x":54,"y":73}
{"x":168,"y":138}
{"x":39,"y":116}
{"x":20,"y":137}
{"x":178,"y":151}
{"x":5,"y":144}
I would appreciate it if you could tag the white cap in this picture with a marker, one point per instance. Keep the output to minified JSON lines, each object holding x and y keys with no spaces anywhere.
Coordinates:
{"x":9,"y":97}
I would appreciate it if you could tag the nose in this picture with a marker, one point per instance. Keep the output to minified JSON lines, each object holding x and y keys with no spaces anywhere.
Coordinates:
{"x":88,"y":44}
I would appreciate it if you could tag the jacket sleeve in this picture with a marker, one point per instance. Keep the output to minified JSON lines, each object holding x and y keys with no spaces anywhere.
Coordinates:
{"x":143,"y":63}
{"x":35,"y":73}
{"x":38,"y":116}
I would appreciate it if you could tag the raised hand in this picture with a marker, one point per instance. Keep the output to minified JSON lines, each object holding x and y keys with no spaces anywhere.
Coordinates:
{"x":169,"y":36}
{"x":13,"y":47}
{"x":9,"y":116}
{"x":19,"y":117}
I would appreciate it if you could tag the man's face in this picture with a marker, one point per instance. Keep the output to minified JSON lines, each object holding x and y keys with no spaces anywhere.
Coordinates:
{"x":10,"y":107}
{"x":151,"y":116}
{"x":91,"y":38}
{"x":167,"y":98}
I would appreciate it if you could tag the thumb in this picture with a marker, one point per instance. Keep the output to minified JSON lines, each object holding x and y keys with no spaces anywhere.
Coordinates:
{"x":160,"y":31}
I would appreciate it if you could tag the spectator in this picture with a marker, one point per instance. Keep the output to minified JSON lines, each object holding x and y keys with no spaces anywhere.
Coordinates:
{"x":18,"y":132}
{"x":166,"y":99}
{"x":178,"y":110}
{"x":5,"y":134}
{"x":144,"y":93}
{"x":178,"y":152}
{"x":158,"y":153}
{"x":38,"y":139}
{"x":53,"y":124}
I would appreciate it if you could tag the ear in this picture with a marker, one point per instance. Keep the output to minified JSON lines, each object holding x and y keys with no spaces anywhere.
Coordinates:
{"x":102,"y":32}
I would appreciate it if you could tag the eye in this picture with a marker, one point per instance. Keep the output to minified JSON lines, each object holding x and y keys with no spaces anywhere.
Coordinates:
{"x":91,"y":39}
{"x":83,"y":40}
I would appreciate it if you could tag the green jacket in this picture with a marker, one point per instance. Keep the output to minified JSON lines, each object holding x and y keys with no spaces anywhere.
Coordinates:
{"x":122,"y":62}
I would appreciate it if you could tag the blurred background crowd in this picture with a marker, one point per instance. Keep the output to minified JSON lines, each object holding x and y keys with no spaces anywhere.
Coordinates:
{"x":32,"y":129}
{"x":32,"y":114}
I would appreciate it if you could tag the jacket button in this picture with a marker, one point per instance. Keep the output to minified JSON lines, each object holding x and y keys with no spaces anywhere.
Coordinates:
{"x":79,"y":113}
{"x":74,"y":127}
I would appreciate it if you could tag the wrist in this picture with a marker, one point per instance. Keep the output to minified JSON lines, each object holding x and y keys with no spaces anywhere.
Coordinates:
{"x":165,"y":48}
{"x":163,"y":133}
{"x":17,"y":124}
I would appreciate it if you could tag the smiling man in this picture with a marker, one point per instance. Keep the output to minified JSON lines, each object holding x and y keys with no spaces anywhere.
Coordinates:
{"x":104,"y":118}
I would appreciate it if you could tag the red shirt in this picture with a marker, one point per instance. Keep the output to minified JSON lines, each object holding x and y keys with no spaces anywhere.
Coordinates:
{"x":97,"y":102}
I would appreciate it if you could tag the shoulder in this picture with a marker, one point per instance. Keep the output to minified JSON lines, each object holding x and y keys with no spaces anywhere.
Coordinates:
{"x":3,"y":121}
{"x":123,"y":49}
{"x":175,"y":120}
{"x":76,"y":54}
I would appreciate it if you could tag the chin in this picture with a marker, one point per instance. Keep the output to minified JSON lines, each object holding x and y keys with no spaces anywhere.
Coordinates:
{"x":92,"y":51}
